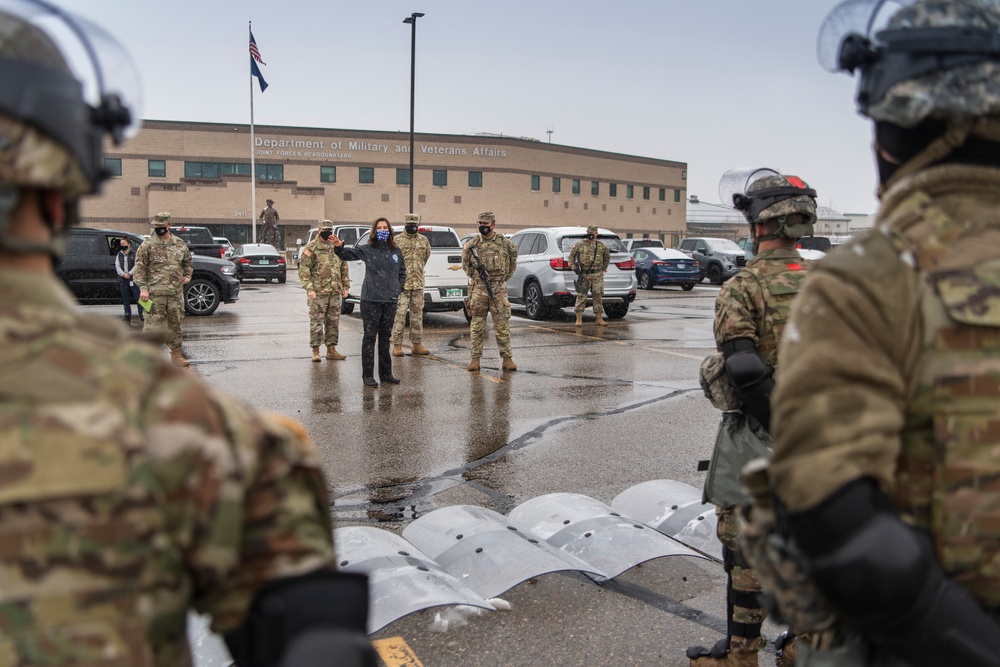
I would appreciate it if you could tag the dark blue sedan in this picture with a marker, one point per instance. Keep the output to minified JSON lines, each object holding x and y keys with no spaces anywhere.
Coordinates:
{"x":665,"y":266}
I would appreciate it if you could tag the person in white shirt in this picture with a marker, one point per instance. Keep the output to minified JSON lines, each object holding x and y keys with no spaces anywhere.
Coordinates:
{"x":124,"y":264}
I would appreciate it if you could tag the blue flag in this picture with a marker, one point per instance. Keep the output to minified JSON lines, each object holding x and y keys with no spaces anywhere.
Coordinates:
{"x":254,"y":59}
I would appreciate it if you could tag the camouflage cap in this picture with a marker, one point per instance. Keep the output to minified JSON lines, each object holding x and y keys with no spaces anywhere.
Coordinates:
{"x":592,"y":229}
{"x":411,"y":217}
{"x":953,"y":94}
{"x":160,"y":219}
{"x":326,"y":225}
{"x":487,"y":217}
{"x":30,"y":158}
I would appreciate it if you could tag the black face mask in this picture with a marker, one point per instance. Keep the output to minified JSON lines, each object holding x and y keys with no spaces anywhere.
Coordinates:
{"x":411,"y":229}
{"x":124,"y":248}
{"x":485,"y":230}
{"x":161,"y":231}
{"x":325,"y":235}
{"x":591,"y":237}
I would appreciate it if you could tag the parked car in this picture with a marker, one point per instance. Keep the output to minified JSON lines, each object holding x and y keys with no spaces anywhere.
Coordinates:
{"x":88,"y":269}
{"x":199,"y":239}
{"x":349,"y":234}
{"x":543,"y":281}
{"x":665,"y":266}
{"x":227,"y":247}
{"x":807,"y":247}
{"x":259,"y":261}
{"x":718,"y":259}
{"x":635,"y":244}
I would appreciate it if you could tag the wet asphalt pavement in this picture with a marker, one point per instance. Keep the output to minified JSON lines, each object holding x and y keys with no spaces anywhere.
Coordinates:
{"x":593,"y":411}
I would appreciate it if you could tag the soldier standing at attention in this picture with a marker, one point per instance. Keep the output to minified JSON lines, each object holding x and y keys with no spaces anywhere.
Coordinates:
{"x":325,"y":279}
{"x":887,"y":413}
{"x":416,"y":251}
{"x":495,"y":254}
{"x":590,"y":258}
{"x":162,"y":268}
{"x":269,"y":230}
{"x":132,"y":492}
{"x":751,"y":312}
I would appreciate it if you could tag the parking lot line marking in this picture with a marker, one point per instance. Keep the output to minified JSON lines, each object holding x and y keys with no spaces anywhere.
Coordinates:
{"x":619,"y":342}
{"x":395,"y":652}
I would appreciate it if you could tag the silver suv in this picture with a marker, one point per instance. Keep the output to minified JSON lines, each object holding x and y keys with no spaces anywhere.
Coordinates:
{"x":543,"y":281}
{"x":718,"y":259}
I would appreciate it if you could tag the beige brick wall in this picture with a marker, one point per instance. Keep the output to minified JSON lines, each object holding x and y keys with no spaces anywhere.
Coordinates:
{"x":506,"y":163}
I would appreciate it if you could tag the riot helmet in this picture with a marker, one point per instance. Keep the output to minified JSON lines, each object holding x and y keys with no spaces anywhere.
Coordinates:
{"x":763,"y":195}
{"x":65,"y":84}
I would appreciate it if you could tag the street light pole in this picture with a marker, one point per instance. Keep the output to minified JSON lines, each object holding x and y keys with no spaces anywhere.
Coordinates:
{"x":412,"y":20}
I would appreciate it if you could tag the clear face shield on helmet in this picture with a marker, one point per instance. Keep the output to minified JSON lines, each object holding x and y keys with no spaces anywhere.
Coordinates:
{"x":762,"y":194}
{"x":735,"y":183}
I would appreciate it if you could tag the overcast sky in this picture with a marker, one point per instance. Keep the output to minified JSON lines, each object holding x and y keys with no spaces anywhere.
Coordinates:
{"x":718,"y":84}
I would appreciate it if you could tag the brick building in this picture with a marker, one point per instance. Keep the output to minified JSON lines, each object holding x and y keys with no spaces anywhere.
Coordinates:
{"x":200,"y":172}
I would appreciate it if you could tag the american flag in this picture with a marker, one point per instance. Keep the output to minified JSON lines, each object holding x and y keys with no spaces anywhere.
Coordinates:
{"x":254,"y":53}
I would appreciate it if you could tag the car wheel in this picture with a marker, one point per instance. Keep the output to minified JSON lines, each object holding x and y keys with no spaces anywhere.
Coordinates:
{"x":616,"y":311}
{"x":715,"y":274}
{"x":201,"y":297}
{"x":346,"y":308}
{"x":645,"y":282}
{"x":687,"y":287}
{"x":533,"y":305}
{"x":281,"y":280}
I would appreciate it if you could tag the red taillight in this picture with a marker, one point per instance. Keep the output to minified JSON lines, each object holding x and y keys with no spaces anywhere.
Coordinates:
{"x":222,"y":252}
{"x":659,"y":263}
{"x":281,"y":260}
{"x":244,"y":260}
{"x":559,"y":264}
{"x":627,"y":265}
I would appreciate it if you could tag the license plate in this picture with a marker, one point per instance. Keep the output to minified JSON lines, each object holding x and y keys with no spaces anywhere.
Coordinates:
{"x":452,"y":293}
{"x":264,"y":261}
{"x":681,"y":265}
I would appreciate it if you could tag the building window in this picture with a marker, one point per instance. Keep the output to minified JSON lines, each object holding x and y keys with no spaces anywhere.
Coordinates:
{"x":595,"y":188}
{"x":327,"y":174}
{"x":677,"y":195}
{"x":458,"y":199}
{"x":157,"y":168}
{"x":536,"y":183}
{"x":684,"y":175}
{"x":629,"y":191}
{"x":366,"y":174}
{"x":440,"y":178}
{"x":218,"y":169}
{"x":270,"y":172}
{"x":612,"y":189}
{"x":645,"y":192}
{"x":663,"y":194}
{"x":475,"y":179}
{"x":565,"y":204}
{"x":113,"y":166}
{"x":556,"y":184}
{"x":385,"y":197}
{"x":402,"y":177}
{"x":576,"y":186}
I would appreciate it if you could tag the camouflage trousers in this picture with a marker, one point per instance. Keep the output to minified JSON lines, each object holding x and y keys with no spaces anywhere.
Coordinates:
{"x":480,"y":305}
{"x":593,"y":283}
{"x":324,"y":319}
{"x":412,"y":300}
{"x":746,"y":613}
{"x":166,"y":313}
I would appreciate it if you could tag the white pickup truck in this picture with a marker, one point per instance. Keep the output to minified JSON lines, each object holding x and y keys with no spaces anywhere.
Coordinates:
{"x":445,"y":284}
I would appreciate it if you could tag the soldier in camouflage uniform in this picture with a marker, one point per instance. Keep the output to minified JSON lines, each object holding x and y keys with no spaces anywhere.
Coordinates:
{"x":498,"y":256}
{"x":269,"y":225}
{"x":162,"y":268}
{"x":590,"y":258}
{"x":326,"y":280}
{"x":886,"y":414}
{"x":750,"y":316}
{"x":132,"y":491}
{"x":416,"y":251}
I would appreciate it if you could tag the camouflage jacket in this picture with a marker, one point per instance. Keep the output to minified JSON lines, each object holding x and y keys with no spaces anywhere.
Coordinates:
{"x":132,"y":492}
{"x":161,"y":266}
{"x":498,"y":255}
{"x":321,"y":270}
{"x":593,"y":257}
{"x":755,"y":303}
{"x":416,"y":251}
{"x":891,"y":370}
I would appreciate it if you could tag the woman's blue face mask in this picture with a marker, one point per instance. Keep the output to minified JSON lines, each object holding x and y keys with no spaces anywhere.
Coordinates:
{"x":382,"y":234}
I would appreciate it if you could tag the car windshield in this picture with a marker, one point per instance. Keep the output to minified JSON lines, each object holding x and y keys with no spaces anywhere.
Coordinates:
{"x":614,"y":243}
{"x":647,"y":243}
{"x":723,"y":245}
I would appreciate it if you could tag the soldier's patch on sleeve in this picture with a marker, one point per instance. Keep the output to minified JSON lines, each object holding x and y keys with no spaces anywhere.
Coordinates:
{"x":306,"y":253}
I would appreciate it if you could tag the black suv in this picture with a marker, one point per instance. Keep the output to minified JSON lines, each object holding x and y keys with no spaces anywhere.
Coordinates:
{"x":88,"y":269}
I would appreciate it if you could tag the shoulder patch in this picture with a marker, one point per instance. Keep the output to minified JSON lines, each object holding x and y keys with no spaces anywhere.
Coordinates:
{"x":306,"y":252}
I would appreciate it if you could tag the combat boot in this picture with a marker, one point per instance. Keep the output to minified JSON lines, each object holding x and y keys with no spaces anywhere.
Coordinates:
{"x":397,"y":350}
{"x":331,"y":353}
{"x":473,"y":365}
{"x":579,"y":319}
{"x":178,"y":358}
{"x":601,"y":322}
{"x":420,"y":349}
{"x":785,"y":643}
{"x":508,"y":364}
{"x":315,"y":354}
{"x":732,"y":652}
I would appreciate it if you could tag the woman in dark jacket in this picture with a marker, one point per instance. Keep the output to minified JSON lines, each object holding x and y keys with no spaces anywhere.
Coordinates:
{"x":385,"y":274}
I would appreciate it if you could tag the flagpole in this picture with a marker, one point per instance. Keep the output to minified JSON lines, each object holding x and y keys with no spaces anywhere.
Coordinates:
{"x":253,"y":163}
